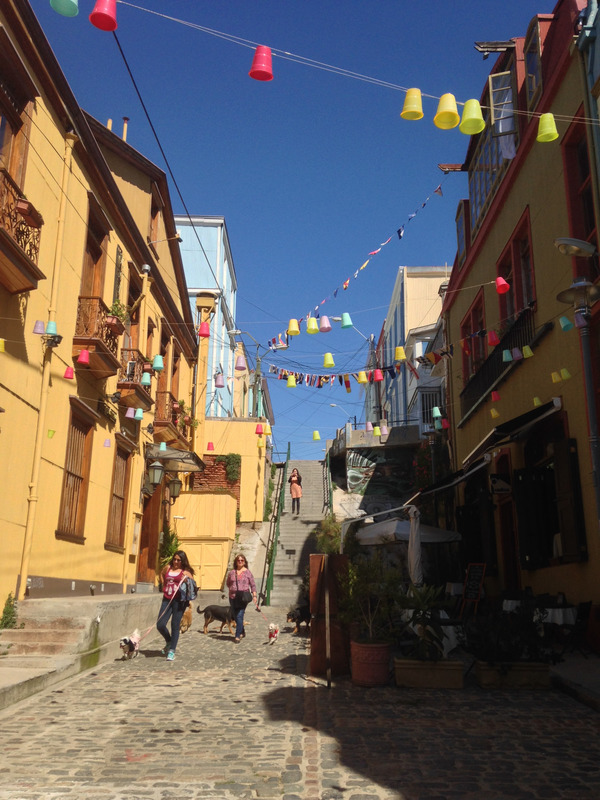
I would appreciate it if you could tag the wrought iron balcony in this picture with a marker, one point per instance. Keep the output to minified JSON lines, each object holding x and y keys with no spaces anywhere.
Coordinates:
{"x":129,"y":380}
{"x":94,"y":335}
{"x":167,"y":427}
{"x":488,"y":375}
{"x":19,"y":239}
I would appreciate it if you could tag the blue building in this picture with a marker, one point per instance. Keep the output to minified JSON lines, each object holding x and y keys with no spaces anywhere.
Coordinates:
{"x":208,"y":265}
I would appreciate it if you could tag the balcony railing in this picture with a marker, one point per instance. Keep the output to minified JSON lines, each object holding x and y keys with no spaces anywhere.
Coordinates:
{"x":129,"y":379}
{"x":91,"y":323}
{"x":19,"y":240}
{"x":93,"y":334}
{"x":167,"y":427}
{"x":521,"y":332}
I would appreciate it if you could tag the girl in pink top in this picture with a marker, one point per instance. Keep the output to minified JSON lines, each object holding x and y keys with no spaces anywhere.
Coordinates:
{"x":173,"y":606}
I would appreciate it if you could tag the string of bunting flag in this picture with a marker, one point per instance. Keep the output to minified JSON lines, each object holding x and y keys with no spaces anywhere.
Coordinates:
{"x":282,"y":340}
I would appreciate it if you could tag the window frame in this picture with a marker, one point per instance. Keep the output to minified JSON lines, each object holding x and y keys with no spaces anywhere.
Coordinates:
{"x":579,"y":193}
{"x":532,"y":48}
{"x":510,"y":267}
{"x":475,"y":351}
{"x":117,"y":511}
{"x":75,"y":486}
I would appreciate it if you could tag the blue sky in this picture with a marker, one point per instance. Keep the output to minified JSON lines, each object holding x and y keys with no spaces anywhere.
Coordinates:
{"x":313,"y":170}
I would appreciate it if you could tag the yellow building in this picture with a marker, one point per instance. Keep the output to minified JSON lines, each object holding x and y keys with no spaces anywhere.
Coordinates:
{"x":98,"y":338}
{"x":103,"y":386}
{"x":516,"y":388}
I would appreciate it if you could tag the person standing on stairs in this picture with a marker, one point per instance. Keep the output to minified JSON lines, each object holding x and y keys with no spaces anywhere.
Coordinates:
{"x":295,"y":482}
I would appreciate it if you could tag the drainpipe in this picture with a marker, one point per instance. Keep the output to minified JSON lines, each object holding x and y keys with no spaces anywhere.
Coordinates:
{"x":32,"y":497}
{"x":403,"y":343}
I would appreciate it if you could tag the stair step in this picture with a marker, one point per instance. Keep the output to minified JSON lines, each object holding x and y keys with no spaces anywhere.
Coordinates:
{"x":49,"y":622}
{"x":37,"y":648}
{"x":22,"y":635}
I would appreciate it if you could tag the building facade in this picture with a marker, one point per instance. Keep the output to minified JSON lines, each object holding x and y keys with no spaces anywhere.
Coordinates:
{"x":415,"y":305}
{"x":517,"y":400}
{"x":208,"y":264}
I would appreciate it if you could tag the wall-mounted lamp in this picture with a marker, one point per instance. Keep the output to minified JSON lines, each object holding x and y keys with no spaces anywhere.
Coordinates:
{"x":149,"y":428}
{"x":155,"y":473}
{"x":176,"y":238}
{"x":174,"y":485}
{"x":114,"y":397}
{"x":53,"y":339}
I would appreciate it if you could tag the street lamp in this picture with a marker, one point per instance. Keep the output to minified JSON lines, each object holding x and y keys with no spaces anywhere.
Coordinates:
{"x":582,"y":294}
{"x":350,"y":416}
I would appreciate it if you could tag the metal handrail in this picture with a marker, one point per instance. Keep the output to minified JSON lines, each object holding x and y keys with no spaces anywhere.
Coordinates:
{"x":272,"y":544}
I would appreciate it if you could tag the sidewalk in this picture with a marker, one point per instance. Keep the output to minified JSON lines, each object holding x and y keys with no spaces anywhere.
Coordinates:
{"x":579,"y":677}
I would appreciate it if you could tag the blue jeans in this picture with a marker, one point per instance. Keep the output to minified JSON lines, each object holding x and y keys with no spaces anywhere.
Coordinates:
{"x":238,"y":615}
{"x":173,"y":612}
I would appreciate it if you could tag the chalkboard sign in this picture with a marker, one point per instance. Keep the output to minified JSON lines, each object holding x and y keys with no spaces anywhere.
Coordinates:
{"x":474,"y":582}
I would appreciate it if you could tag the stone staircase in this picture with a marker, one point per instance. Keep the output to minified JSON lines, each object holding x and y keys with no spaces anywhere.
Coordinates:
{"x":57,"y":638}
{"x":295,"y":540}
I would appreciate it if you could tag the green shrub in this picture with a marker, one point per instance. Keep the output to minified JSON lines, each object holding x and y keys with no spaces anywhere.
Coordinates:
{"x":328,"y":535}
{"x":9,"y":615}
{"x":169,"y":545}
{"x":273,"y":470}
{"x":233,"y":466}
{"x":268,"y":510}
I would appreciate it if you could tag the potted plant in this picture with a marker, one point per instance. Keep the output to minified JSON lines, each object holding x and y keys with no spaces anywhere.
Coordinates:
{"x":31,"y":216}
{"x":116,"y":317}
{"x":366,"y":601}
{"x":510,"y":648}
{"x":422,"y":662}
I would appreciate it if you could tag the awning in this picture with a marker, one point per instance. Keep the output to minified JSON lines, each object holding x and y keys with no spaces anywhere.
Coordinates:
{"x":175,"y":460}
{"x":452,"y":480}
{"x":515,"y":427}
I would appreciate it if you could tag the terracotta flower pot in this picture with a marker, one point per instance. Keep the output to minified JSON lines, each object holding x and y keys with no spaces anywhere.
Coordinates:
{"x":370,"y":663}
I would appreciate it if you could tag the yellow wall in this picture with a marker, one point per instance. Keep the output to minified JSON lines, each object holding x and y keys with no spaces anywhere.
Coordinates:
{"x":206,"y":534}
{"x":30,"y":411}
{"x":238,"y":436}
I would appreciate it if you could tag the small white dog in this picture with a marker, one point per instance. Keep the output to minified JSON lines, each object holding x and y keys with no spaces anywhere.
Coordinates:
{"x":273,"y":633}
{"x":130,"y":645}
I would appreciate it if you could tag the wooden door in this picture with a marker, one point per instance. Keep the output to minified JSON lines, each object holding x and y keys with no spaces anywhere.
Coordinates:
{"x":151,"y":519}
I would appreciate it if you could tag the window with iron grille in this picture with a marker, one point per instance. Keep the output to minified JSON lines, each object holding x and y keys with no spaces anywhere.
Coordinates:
{"x":429,"y":400}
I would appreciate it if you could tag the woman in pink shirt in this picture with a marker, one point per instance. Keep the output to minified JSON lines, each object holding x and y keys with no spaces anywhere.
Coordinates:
{"x":173,"y":606}
{"x":240,"y":579}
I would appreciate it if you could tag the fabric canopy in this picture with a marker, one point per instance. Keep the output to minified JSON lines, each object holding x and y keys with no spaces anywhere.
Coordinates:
{"x":398,"y":530}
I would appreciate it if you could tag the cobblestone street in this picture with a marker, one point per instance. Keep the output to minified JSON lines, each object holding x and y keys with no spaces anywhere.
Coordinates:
{"x":244,"y":721}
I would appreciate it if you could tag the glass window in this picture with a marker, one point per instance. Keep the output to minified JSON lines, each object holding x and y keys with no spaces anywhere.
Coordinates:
{"x":579,"y":193}
{"x":473,"y":342}
{"x":500,"y":87}
{"x":533,"y":67}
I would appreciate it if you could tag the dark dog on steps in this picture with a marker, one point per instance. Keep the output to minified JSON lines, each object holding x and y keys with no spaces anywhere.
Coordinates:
{"x":220,"y":614}
{"x":298,"y":616}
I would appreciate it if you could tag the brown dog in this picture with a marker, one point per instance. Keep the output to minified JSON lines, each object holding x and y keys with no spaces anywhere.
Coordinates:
{"x":186,"y":620}
{"x":220,"y":614}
